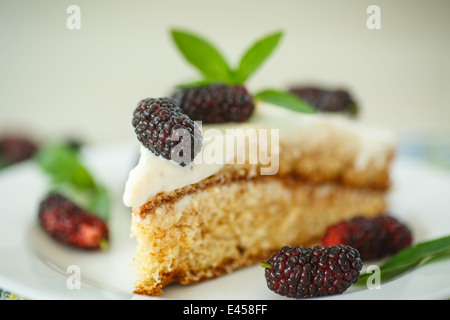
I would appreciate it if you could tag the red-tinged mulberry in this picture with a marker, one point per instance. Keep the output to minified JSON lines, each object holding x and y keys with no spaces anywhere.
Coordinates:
{"x":161,"y":126}
{"x":298,"y":272}
{"x":374,"y":238}
{"x":216,"y":103}
{"x":71,"y":225}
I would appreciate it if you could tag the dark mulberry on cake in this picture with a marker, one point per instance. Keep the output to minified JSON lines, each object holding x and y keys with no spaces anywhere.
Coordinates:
{"x":216,"y":103}
{"x":71,"y":225}
{"x":374,"y":238}
{"x":298,"y":272}
{"x":327,"y":100}
{"x":162,"y":127}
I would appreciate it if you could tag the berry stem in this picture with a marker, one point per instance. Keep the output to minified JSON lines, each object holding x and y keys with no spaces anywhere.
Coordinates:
{"x":266,"y":265}
{"x":104,"y":244}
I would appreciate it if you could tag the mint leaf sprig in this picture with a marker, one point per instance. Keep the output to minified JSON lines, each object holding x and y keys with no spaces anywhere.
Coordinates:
{"x":214,"y":68}
{"x":68,"y":176}
{"x":410,"y":258}
{"x":204,"y":56}
{"x":284,"y":99}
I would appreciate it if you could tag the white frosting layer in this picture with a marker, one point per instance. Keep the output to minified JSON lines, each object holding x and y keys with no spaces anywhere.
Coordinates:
{"x":154,"y":174}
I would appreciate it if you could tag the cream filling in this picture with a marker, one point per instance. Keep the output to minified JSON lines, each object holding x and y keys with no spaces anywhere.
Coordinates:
{"x":270,"y":125}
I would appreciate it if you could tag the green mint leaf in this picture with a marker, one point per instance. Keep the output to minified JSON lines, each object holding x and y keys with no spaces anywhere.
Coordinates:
{"x":410,"y":258}
{"x":100,"y":203}
{"x":70,"y":178}
{"x":418,"y":252}
{"x":62,"y":164}
{"x":203,"y":55}
{"x":255,"y":56}
{"x":2,"y":162}
{"x":284,"y":99}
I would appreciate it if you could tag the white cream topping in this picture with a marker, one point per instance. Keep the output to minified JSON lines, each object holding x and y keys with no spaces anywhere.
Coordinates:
{"x":154,"y":174}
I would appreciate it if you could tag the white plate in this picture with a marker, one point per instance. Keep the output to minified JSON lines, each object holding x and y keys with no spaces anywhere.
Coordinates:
{"x":34,"y":266}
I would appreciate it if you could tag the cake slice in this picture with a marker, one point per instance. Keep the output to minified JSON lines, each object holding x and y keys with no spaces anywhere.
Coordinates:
{"x":204,"y":219}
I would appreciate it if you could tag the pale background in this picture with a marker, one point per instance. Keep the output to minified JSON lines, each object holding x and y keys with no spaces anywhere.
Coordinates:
{"x":85,"y":83}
